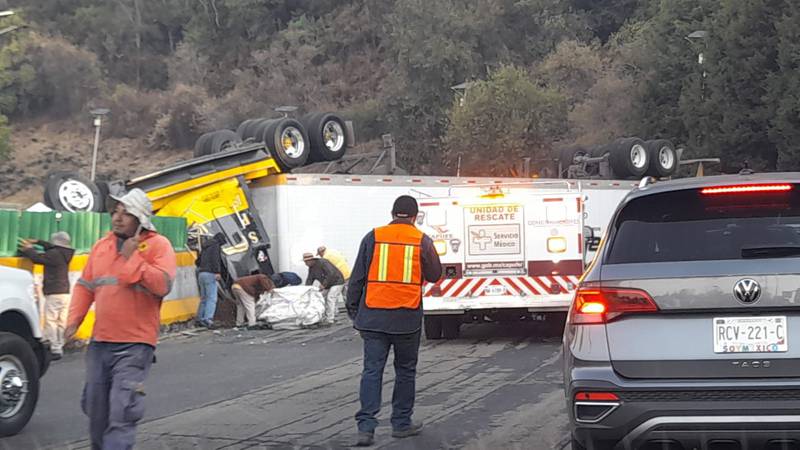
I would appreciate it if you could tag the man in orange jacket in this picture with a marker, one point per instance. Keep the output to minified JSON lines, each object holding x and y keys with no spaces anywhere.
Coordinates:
{"x":384,"y":299}
{"x":128,"y":273}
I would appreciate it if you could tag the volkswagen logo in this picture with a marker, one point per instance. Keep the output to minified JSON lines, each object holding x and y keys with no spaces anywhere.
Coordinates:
{"x":747,"y":290}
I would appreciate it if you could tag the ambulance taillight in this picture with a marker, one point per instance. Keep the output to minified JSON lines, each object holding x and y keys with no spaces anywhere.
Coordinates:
{"x":556,"y":244}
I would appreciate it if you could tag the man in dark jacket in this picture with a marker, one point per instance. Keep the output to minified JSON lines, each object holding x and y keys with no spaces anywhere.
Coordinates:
{"x":384,"y":299}
{"x":209,"y":268}
{"x":55,"y":259}
{"x":331,"y":283}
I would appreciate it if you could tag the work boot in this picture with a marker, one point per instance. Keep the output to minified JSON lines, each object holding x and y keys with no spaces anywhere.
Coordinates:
{"x":413,"y":430}
{"x":365,"y":439}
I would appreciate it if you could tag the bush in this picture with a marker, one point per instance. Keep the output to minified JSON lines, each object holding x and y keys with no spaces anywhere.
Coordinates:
{"x":67,"y":77}
{"x":133,"y":112}
{"x":5,"y":139}
{"x":172,"y":119}
{"x":503,"y":120}
{"x":183,"y":118}
{"x":368,"y":120}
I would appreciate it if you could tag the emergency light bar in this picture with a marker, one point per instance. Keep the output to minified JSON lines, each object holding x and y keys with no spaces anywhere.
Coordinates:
{"x":494,"y":192}
{"x":746,"y":188}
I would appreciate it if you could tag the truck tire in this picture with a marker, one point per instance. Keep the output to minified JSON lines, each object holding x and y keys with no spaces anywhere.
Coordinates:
{"x":18,"y":367}
{"x":554,"y":323}
{"x":663,"y":158}
{"x":201,"y":147}
{"x":451,"y":327}
{"x":433,"y":327}
{"x":105,"y":190}
{"x":222,"y":140}
{"x":287,"y":140}
{"x":254,"y":130}
{"x":327,"y":136}
{"x":242,"y":127}
{"x":69,"y":191}
{"x":629,"y":158}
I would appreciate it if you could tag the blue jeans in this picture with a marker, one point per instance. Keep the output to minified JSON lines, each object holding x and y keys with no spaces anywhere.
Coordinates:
{"x":113,"y":396}
{"x":208,"y":297}
{"x":376,"y":351}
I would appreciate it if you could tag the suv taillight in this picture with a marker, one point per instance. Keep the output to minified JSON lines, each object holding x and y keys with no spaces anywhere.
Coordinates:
{"x":595,"y":305}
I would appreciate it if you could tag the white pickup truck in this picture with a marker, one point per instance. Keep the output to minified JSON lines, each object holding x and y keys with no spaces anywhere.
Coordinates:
{"x":24,"y":356}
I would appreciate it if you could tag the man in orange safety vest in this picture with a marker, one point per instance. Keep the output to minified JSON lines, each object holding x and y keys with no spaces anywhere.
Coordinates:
{"x":384,"y":299}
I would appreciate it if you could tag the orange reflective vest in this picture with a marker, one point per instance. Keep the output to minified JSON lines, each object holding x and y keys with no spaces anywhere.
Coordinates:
{"x":395,"y":273}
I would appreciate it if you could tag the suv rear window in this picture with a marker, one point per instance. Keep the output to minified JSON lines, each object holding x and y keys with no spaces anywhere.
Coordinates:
{"x":689,"y":226}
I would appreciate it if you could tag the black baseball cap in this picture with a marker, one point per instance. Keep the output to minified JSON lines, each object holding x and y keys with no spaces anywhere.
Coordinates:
{"x":405,"y":207}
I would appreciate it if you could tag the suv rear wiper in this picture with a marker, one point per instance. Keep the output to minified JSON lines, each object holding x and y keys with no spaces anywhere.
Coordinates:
{"x":771,"y":252}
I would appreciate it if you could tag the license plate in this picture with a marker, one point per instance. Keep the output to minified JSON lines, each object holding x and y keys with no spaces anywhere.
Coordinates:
{"x":750,"y":334}
{"x":494,"y":290}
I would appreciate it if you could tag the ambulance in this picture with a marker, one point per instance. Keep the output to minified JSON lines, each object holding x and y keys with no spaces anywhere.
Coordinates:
{"x":508,"y":252}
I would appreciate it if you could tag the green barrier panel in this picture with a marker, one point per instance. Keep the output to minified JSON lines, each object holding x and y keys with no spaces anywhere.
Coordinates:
{"x":174,"y":229}
{"x":9,"y":225}
{"x":84,"y":228}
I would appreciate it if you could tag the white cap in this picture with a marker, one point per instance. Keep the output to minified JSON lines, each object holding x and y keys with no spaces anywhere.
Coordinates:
{"x":137,"y":204}
{"x":61,"y":239}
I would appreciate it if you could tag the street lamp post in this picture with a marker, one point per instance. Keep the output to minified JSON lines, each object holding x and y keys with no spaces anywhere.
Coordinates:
{"x":700,"y":35}
{"x":98,"y":121}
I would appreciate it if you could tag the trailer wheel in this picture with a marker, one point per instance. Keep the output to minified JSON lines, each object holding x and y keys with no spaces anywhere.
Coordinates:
{"x":105,"y":189}
{"x":663,"y":158}
{"x":327,"y":136}
{"x":69,"y":191}
{"x":242,"y":127}
{"x":433,"y":327}
{"x":222,"y":140}
{"x":451,"y":327}
{"x":629,"y":157}
{"x":201,"y":145}
{"x":288,"y":142}
{"x":254,"y":130}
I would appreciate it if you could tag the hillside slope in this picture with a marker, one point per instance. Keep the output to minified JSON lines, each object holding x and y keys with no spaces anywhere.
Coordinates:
{"x":40,"y":149}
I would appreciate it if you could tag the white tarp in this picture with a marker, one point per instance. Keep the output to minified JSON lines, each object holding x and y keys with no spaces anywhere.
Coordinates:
{"x":291,"y":307}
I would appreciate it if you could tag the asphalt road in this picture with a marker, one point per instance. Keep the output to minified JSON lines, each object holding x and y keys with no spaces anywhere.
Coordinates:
{"x":497,"y":387}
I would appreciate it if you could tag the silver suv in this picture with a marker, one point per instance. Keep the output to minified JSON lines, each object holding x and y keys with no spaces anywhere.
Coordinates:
{"x":685,"y":330}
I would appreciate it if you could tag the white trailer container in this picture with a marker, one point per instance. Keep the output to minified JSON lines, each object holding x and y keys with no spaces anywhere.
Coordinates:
{"x":304,"y":211}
